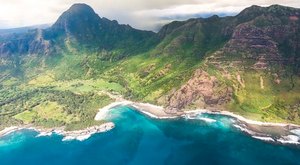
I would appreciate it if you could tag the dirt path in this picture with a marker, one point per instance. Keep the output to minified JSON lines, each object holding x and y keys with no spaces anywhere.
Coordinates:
{"x":117,"y":98}
{"x":240,"y":80}
{"x":262,"y":83}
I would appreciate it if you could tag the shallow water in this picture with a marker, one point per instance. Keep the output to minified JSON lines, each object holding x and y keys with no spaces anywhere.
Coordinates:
{"x":138,"y":139}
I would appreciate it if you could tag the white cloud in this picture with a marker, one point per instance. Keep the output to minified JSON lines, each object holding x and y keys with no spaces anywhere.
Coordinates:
{"x":28,"y":12}
{"x":142,"y":14}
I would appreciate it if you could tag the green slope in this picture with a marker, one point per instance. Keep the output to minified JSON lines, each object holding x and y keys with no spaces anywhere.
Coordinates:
{"x":255,"y":54}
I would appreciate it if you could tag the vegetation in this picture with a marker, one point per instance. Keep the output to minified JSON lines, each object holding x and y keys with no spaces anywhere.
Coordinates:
{"x":51,"y":106}
{"x":63,"y":88}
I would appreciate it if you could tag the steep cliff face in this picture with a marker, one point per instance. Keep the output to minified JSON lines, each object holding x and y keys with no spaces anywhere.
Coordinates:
{"x":80,"y":21}
{"x":201,"y":90}
{"x":32,"y":42}
{"x":270,"y":38}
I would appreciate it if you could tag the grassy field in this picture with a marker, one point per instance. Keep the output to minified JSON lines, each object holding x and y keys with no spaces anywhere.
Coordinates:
{"x":46,"y":111}
{"x":271,"y":103}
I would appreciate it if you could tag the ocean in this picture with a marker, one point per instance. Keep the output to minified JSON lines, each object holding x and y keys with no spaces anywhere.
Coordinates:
{"x":140,"y":140}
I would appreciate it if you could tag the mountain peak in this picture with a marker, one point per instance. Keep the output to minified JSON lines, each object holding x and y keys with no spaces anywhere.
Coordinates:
{"x":78,"y":20}
{"x":80,"y":8}
{"x":278,"y":9}
{"x":78,"y":11}
{"x":77,"y":15}
{"x":252,"y":10}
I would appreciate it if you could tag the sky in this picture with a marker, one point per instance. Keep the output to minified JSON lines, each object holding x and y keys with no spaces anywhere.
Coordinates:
{"x":141,"y":14}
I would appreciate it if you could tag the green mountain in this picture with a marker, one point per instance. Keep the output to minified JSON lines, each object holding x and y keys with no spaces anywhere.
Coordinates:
{"x":248,"y":64}
{"x":79,"y":28}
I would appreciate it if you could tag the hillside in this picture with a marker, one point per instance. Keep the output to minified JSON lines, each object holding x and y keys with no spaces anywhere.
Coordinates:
{"x":248,"y":64}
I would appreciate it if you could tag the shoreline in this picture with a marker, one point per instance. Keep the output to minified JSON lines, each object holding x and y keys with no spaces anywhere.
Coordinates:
{"x":79,"y":135}
{"x":241,"y":118}
{"x":283,"y":133}
{"x":279,"y":133}
{"x":158,"y":112}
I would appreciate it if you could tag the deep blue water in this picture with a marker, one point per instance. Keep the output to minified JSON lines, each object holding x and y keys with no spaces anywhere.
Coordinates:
{"x":138,"y":139}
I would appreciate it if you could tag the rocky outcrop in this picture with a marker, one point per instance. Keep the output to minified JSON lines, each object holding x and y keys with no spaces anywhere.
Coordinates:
{"x":270,"y":38}
{"x":201,"y":87}
{"x":252,"y":42}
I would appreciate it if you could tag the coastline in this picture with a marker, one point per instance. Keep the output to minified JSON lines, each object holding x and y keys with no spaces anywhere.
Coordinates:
{"x":283,"y":133}
{"x":158,"y":112}
{"x":241,"y":118}
{"x":280,"y":133}
{"x":79,"y":135}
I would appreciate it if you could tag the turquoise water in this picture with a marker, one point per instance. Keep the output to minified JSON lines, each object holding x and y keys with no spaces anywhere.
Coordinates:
{"x":138,"y":139}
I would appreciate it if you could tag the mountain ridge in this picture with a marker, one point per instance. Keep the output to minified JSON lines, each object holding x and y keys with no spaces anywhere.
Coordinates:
{"x":79,"y":26}
{"x":248,"y":64}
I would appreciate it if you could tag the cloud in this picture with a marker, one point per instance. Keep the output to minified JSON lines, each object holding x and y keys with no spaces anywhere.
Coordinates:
{"x":205,"y":9}
{"x":16,"y":13}
{"x":142,"y":14}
